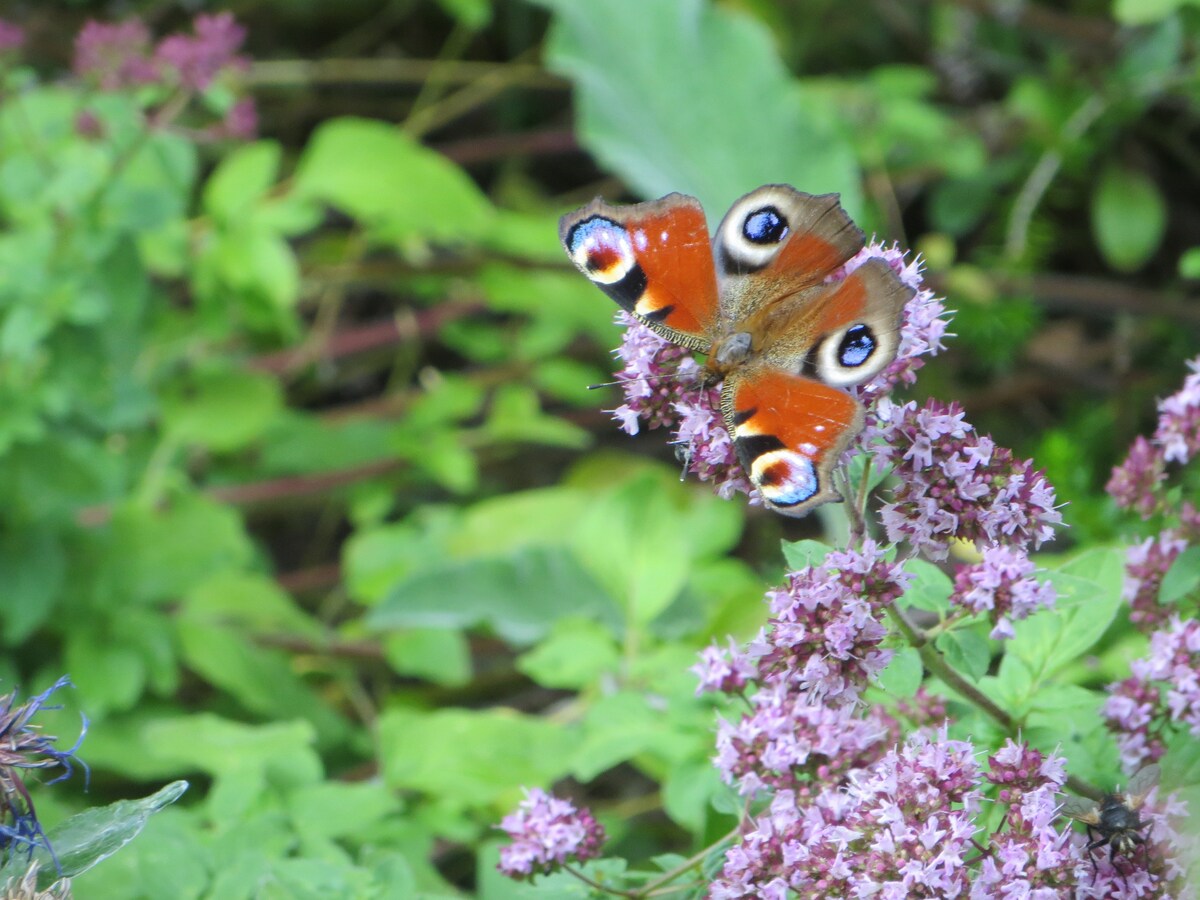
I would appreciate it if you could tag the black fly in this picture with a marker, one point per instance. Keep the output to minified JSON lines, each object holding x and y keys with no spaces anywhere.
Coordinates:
{"x":1115,"y":818}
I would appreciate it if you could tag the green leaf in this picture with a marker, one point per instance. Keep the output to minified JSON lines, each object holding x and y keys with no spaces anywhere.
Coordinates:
{"x":634,"y":542}
{"x":1129,"y":217}
{"x":967,"y":651}
{"x":576,"y":654}
{"x":440,"y":655}
{"x":902,"y":675}
{"x":1182,"y":578}
{"x":472,"y":758}
{"x":376,"y":173}
{"x":1144,"y":12}
{"x":520,"y":595}
{"x":31,"y":571}
{"x":335,"y":809}
{"x":222,"y":410}
{"x":241,"y":179}
{"x":800,"y":555}
{"x":473,"y":14}
{"x":92,"y":836}
{"x":1189,"y":264}
{"x":930,"y":588}
{"x":655,"y":131}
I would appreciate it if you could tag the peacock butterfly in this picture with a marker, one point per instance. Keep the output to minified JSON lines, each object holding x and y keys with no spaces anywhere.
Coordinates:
{"x":781,"y":333}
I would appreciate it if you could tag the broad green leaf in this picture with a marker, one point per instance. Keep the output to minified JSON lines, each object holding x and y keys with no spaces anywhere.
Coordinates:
{"x":624,"y":725}
{"x":967,"y":651}
{"x":1129,"y":217}
{"x":692,"y":134}
{"x":1189,"y":263}
{"x":222,"y":410}
{"x":520,"y":595}
{"x":634,"y":542}
{"x":1144,"y":12}
{"x":440,"y":655}
{"x":109,"y":671}
{"x":800,"y":555}
{"x":241,"y":179}
{"x":470,"y":758}
{"x":575,"y":654}
{"x":516,"y":415}
{"x":687,"y":793}
{"x":90,"y":837}
{"x":902,"y":675}
{"x":521,"y":519}
{"x":1182,"y":578}
{"x":930,"y":588}
{"x":31,"y":578}
{"x":336,"y":809}
{"x":375,"y":172}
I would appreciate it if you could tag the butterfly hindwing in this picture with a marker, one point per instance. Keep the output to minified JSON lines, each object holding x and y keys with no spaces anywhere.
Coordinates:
{"x":789,"y":432}
{"x":841,"y":333}
{"x":654,"y":259}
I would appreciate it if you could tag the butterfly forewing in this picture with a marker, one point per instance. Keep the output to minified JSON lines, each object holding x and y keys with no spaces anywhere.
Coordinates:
{"x":654,"y":259}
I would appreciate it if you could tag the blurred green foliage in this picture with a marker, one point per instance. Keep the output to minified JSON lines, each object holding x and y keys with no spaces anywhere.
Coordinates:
{"x":302,"y":479}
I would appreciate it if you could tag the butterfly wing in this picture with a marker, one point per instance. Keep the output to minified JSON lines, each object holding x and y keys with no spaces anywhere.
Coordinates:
{"x":789,"y":431}
{"x":655,"y":259}
{"x":776,"y":250}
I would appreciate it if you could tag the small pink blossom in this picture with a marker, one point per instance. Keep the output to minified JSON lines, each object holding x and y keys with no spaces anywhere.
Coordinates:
{"x":547,"y":832}
{"x":1002,"y":585}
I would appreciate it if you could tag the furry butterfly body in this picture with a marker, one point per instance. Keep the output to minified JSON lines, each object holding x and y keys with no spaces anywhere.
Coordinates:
{"x":781,"y":335}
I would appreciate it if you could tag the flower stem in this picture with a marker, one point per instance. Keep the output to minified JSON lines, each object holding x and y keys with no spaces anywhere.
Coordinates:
{"x":936,"y":663}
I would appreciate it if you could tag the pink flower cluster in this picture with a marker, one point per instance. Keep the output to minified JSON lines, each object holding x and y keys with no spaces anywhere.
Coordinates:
{"x":662,"y":388}
{"x":1163,"y":690}
{"x":1145,"y":565}
{"x":547,"y":833}
{"x":810,"y":664}
{"x":899,"y":828}
{"x":956,"y":484}
{"x":1136,"y":483}
{"x":121,"y":54}
{"x":12,"y":36}
{"x":1002,"y":585}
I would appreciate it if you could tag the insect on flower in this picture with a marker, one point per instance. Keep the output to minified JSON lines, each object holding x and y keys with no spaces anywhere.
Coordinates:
{"x":1115,"y":818}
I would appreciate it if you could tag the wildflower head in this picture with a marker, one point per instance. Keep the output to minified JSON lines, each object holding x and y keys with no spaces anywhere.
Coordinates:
{"x":23,"y":746}
{"x":12,"y":36}
{"x":1002,"y":586}
{"x":547,"y":833}
{"x":115,"y":55}
{"x":196,"y":60}
{"x":957,"y":484}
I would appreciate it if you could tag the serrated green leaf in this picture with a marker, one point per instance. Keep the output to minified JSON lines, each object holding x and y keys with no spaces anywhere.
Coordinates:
{"x":1129,"y":217}
{"x":663,"y":140}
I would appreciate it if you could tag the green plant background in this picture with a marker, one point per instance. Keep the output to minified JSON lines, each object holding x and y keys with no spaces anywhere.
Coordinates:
{"x":305,"y":489}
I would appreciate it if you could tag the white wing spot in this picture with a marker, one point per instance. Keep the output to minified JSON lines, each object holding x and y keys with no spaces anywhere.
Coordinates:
{"x":639,"y":238}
